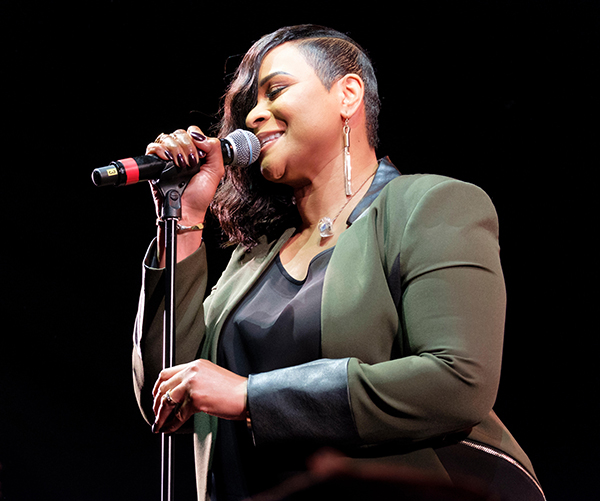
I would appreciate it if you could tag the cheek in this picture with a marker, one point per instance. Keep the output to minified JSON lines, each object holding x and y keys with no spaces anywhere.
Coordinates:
{"x":313,"y":132}
{"x":313,"y":126}
{"x":307,"y":109}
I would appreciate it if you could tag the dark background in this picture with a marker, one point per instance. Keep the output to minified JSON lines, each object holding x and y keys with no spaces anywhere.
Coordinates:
{"x":503,"y":94}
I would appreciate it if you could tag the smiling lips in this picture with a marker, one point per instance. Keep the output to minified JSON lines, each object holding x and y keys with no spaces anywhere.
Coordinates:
{"x":267,"y":138}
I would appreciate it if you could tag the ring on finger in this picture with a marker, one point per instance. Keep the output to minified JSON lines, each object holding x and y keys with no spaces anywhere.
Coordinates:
{"x":169,"y":399}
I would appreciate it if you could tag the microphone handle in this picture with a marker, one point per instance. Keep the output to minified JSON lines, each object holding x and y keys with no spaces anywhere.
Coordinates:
{"x":129,"y":171}
{"x":144,"y":168}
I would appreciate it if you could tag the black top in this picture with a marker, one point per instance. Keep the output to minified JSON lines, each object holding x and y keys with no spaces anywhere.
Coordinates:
{"x":277,"y":325}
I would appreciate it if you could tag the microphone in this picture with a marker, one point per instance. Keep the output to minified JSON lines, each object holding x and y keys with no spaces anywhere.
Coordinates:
{"x":241,"y":148}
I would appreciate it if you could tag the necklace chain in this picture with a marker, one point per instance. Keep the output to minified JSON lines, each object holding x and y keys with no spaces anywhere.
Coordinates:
{"x":326,"y":223}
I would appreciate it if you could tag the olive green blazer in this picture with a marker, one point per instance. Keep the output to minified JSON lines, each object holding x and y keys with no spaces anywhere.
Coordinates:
{"x":412,"y":322}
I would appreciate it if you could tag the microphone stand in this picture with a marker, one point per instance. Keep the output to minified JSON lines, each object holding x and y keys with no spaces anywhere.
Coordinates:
{"x":171,"y":184}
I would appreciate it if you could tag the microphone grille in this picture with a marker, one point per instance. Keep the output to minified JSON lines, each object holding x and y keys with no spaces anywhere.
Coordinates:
{"x":246,"y":147}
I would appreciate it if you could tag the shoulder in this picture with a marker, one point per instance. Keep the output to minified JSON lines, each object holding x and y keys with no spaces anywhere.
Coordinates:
{"x":409,"y":193}
{"x":419,"y":185}
{"x":431,"y":209}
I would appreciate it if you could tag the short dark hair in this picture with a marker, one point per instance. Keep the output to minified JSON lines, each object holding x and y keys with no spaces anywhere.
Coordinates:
{"x":247,"y":205}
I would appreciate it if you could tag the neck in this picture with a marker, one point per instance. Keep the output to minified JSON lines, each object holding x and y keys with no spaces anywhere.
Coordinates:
{"x":325,"y":196}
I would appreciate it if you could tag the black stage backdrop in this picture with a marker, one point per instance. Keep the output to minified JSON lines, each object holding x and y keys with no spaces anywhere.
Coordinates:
{"x":503,"y":94}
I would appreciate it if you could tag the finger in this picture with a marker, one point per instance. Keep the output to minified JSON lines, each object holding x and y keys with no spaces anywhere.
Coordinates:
{"x":175,"y":151}
{"x":158,"y":149}
{"x":166,"y":380}
{"x":210,"y":152}
{"x":161,"y":394}
{"x":198,"y":139}
{"x":177,"y":417}
{"x":168,"y":411}
{"x":164,"y":398}
{"x":188,"y":153}
{"x":170,"y":147}
{"x":165,"y":375}
{"x":161,"y":379}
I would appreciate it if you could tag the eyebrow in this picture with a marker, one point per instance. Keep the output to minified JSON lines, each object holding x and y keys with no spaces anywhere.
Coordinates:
{"x":272,"y":75}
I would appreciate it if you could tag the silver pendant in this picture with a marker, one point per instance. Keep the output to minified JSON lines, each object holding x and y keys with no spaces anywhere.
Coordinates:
{"x":325,"y":227}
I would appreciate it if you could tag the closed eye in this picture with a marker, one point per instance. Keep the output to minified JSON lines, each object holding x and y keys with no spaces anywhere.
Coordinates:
{"x":274,"y":92}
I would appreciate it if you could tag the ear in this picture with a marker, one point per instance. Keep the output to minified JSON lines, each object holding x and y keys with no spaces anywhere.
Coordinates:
{"x":352,"y":92}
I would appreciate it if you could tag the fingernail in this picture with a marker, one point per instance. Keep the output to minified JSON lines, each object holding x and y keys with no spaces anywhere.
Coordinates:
{"x":154,"y":428}
{"x":181,"y":161}
{"x":192,"y":160}
{"x":197,"y":136}
{"x":201,"y":154}
{"x":168,"y":155}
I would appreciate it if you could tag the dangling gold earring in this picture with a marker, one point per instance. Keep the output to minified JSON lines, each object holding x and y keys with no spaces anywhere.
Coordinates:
{"x":347,"y":164}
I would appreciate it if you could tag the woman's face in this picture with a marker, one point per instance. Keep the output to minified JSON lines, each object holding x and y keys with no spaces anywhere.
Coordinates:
{"x":297,"y":121}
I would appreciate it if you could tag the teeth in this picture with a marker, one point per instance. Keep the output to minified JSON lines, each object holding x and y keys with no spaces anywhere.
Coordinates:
{"x":270,"y":137}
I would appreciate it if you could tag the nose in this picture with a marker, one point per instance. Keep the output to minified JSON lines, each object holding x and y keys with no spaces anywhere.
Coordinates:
{"x":258,"y":115}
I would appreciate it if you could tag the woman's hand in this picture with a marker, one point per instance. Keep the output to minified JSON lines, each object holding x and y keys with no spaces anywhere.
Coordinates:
{"x":186,"y":149}
{"x":199,"y":386}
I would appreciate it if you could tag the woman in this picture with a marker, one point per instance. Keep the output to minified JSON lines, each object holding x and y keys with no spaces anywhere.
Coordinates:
{"x":361,"y":310}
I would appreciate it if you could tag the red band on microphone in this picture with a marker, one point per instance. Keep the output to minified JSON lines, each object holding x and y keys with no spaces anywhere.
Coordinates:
{"x":132,"y":170}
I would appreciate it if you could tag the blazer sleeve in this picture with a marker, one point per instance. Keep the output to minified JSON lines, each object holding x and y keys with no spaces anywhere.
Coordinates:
{"x":451,"y":311}
{"x":190,"y":287}
{"x":443,"y":373}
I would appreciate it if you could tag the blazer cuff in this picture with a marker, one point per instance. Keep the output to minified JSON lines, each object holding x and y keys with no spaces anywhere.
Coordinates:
{"x":305,"y":402}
